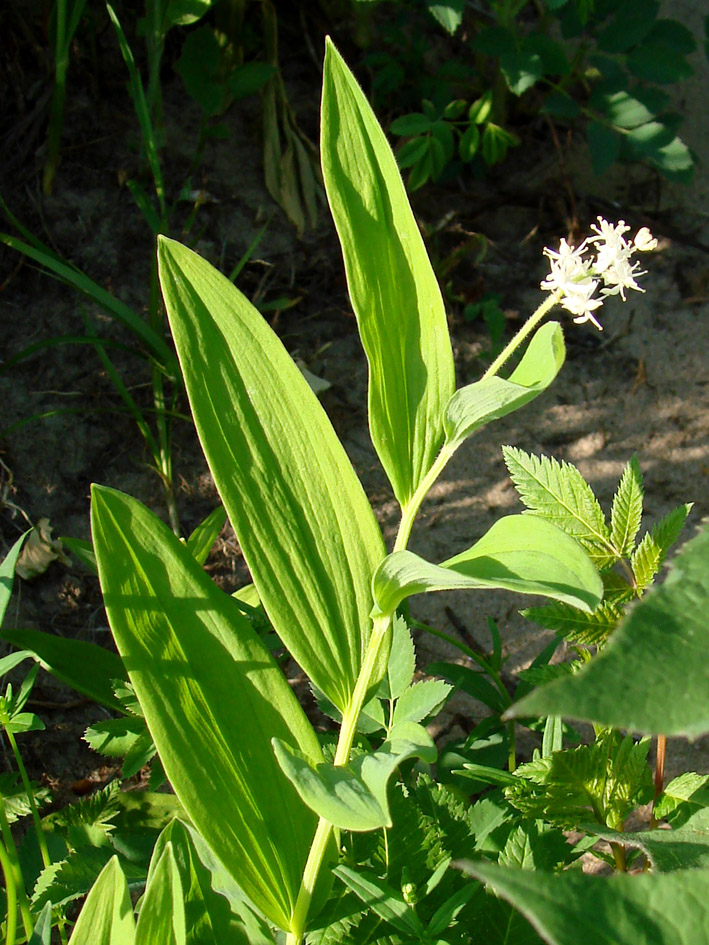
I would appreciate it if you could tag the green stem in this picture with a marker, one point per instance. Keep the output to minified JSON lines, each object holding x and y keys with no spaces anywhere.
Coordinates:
{"x":10,"y":851}
{"x":526,"y":329}
{"x":342,"y":754}
{"x":10,"y":897}
{"x":512,"y":753}
{"x":46,"y":859}
{"x":411,"y":508}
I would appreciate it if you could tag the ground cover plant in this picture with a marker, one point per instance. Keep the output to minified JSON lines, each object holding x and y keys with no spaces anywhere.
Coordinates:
{"x":348,"y":836}
{"x":601,"y":69}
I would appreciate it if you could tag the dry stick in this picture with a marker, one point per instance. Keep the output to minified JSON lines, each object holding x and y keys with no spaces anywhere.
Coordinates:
{"x":564,"y":174}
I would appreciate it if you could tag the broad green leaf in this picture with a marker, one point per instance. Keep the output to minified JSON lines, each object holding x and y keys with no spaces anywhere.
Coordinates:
{"x":354,"y":796}
{"x":107,"y":915}
{"x":519,"y":553}
{"x":212,"y":697}
{"x":203,"y":537}
{"x":656,"y":659}
{"x":215,"y":910}
{"x":162,"y":911}
{"x":559,"y":493}
{"x":571,"y":907}
{"x":604,"y":145}
{"x":687,"y":791}
{"x":306,"y":529}
{"x":421,"y":700}
{"x":42,"y":932}
{"x":627,"y":509}
{"x":392,"y":285}
{"x":686,"y":847}
{"x":473,"y":406}
{"x":86,"y":667}
{"x":7,"y":575}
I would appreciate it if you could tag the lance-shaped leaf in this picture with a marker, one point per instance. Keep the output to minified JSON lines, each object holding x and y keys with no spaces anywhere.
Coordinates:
{"x":215,"y":909}
{"x":354,"y":796}
{"x":571,"y":907}
{"x":519,"y":553}
{"x":653,"y":675}
{"x":107,"y":915}
{"x":7,"y":574}
{"x":162,"y":912}
{"x":392,"y":286}
{"x":304,"y":524}
{"x":212,"y":697}
{"x":473,"y":406}
{"x":86,"y":667}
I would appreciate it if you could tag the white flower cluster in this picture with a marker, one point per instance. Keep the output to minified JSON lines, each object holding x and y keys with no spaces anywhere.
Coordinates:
{"x":577,"y":275}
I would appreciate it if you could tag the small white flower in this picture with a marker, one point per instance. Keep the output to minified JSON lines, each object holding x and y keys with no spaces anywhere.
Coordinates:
{"x":575,"y":278}
{"x":644,"y":241}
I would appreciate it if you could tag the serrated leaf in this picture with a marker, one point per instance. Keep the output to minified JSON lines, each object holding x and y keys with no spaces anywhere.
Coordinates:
{"x":402,"y":662}
{"x":599,"y":782}
{"x":472,"y":681}
{"x":571,"y":907}
{"x":354,"y":796}
{"x":627,"y":509}
{"x":656,"y":659}
{"x":107,"y":915}
{"x":489,"y":399}
{"x":74,"y":876}
{"x":558,"y":493}
{"x":518,"y":553}
{"x":576,"y":626}
{"x":394,"y":293}
{"x":15,"y":799}
{"x":421,"y":700}
{"x":260,"y":426}
{"x":535,"y":846}
{"x":650,"y":554}
{"x":686,"y":847}
{"x":114,"y":737}
{"x":688,"y":790}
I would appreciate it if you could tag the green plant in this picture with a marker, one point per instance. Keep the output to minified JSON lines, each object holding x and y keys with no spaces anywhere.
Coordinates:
{"x":600,"y":67}
{"x":348,"y":837}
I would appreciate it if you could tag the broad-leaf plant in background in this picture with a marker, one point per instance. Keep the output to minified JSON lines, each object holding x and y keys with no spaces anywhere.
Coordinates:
{"x":283,"y":831}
